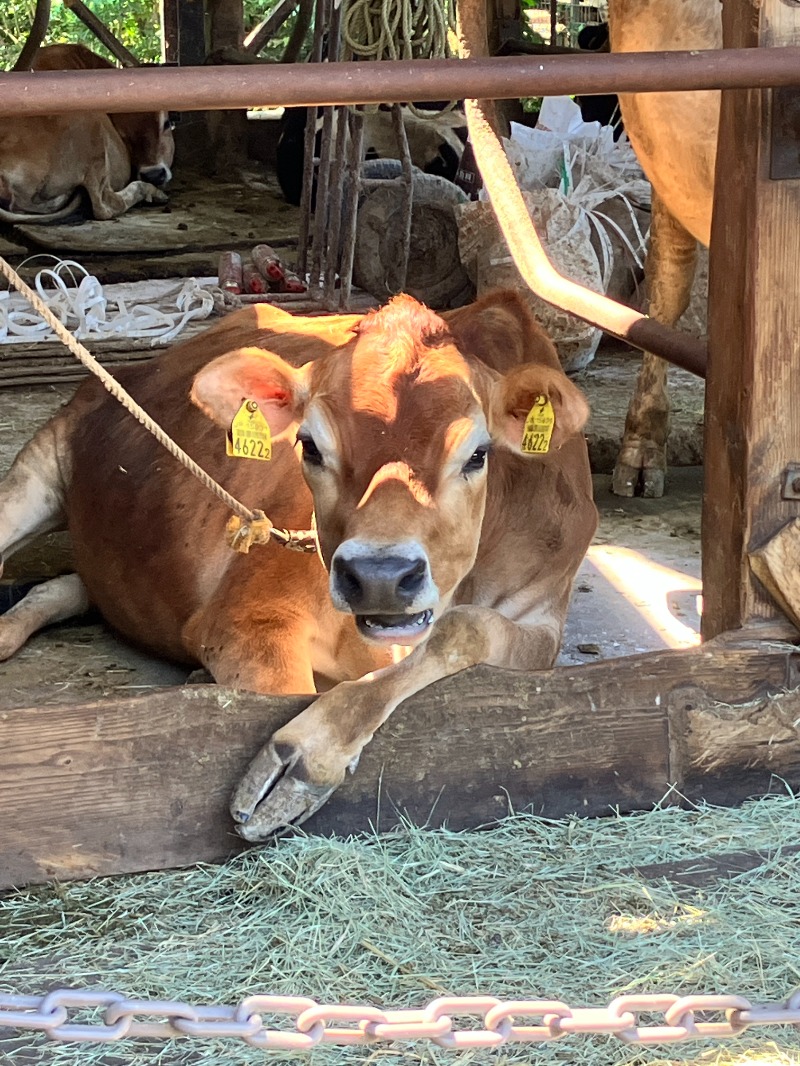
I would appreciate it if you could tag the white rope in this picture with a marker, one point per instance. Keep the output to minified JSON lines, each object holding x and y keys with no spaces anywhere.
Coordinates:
{"x":86,"y":310}
{"x":399,"y":29}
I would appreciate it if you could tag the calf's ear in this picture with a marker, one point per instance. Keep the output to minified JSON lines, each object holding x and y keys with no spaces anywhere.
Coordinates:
{"x":523,"y":390}
{"x":280,"y":390}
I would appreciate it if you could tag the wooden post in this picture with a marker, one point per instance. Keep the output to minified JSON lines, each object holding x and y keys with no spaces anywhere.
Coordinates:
{"x":752,"y":422}
{"x":191,"y":33}
{"x":226,"y":28}
{"x":227,"y":130}
{"x":169,"y":31}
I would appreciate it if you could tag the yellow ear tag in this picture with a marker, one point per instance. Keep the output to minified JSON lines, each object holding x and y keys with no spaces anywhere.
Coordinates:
{"x":539,"y":426}
{"x":249,"y":436}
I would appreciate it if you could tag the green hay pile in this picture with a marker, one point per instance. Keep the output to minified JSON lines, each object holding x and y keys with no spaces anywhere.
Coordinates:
{"x":532,"y":908}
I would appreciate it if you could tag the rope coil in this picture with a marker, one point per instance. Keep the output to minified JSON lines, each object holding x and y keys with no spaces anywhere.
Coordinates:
{"x":400,"y":29}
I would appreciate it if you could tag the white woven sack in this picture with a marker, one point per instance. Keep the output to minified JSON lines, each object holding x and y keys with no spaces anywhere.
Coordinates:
{"x":566,"y":234}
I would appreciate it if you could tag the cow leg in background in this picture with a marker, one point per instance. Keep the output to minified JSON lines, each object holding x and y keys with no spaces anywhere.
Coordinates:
{"x":108,"y":204}
{"x":32,"y":503}
{"x":642,"y":461}
{"x":307,"y":759}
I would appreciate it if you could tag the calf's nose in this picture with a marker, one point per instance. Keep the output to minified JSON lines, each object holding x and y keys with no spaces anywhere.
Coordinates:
{"x":158,"y":175}
{"x":380,"y":584}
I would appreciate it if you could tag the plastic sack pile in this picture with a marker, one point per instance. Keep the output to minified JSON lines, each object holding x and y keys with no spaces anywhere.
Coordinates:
{"x":93,"y":312}
{"x":590,"y":203}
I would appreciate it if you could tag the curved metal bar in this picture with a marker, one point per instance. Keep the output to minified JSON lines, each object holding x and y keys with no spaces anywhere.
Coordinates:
{"x":41,"y":20}
{"x":524,"y":243}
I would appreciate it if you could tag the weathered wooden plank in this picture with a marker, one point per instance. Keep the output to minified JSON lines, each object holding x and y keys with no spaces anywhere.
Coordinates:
{"x":752,"y":426}
{"x":142,"y":783}
{"x":703,"y":872}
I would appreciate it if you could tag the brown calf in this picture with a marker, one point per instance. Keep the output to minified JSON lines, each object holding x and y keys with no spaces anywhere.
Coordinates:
{"x":120,"y":160}
{"x":426,"y":541}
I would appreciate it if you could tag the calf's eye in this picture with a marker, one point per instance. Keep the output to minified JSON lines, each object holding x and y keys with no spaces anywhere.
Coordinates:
{"x":477,"y":461}
{"x":311,"y":453}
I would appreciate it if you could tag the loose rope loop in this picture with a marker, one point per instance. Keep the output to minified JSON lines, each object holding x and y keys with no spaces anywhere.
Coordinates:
{"x":297,"y":540}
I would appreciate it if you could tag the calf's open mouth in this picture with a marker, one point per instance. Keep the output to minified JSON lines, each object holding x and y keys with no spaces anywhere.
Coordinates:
{"x":394,"y":628}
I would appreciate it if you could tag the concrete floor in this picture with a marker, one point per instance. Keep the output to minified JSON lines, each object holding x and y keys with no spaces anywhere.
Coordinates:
{"x":639,"y":584}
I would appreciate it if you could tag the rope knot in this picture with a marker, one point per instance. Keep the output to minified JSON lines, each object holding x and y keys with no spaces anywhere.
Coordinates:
{"x":242,"y":533}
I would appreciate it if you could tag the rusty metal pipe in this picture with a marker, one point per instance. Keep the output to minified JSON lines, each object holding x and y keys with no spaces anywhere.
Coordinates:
{"x":680,"y":349}
{"x":304,"y":85}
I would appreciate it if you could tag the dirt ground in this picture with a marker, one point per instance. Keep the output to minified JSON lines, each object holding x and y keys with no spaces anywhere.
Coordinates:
{"x":612,"y":612}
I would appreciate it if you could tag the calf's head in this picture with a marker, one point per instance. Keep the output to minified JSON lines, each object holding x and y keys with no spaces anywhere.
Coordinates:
{"x":394,"y":431}
{"x":147,"y":135}
{"x":150,"y":144}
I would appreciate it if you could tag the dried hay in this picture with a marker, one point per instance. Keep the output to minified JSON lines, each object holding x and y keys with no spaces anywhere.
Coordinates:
{"x":579,"y":910}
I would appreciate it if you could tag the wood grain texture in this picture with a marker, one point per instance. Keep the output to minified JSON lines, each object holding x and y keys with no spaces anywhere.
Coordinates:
{"x":142,"y":783}
{"x":775,"y":564}
{"x":752,"y":428}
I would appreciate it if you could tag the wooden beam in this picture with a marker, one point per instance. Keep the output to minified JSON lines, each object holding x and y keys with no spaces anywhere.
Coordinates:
{"x":39,"y":24}
{"x":752,"y":427}
{"x":143,"y":783}
{"x":261,"y":34}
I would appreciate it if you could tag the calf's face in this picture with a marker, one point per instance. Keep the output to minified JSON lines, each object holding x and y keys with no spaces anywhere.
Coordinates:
{"x":150,"y":143}
{"x":393,"y":432}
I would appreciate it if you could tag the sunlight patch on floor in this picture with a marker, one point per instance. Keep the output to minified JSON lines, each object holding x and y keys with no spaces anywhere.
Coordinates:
{"x":668,"y":600}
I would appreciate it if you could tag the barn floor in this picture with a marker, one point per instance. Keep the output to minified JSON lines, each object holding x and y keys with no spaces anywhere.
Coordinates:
{"x":636,"y":591}
{"x":205,"y":215}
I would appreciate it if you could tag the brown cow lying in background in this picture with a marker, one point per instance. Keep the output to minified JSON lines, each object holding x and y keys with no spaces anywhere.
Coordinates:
{"x":435,"y":530}
{"x":120,"y":160}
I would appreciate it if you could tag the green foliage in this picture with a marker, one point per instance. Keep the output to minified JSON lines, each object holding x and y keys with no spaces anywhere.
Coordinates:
{"x":134,"y":22}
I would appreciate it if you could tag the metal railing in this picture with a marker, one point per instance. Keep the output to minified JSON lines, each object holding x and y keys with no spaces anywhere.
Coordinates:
{"x":306,"y":84}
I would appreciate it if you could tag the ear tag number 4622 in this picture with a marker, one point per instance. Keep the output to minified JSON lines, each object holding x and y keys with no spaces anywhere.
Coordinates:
{"x":539,"y":426}
{"x":249,"y":436}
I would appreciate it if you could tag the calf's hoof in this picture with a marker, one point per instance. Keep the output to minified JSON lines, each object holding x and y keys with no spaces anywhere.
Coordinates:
{"x":275,"y":793}
{"x":155,"y":196}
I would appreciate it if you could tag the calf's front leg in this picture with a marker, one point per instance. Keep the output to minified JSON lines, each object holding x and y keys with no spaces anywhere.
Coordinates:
{"x":306,"y":760}
{"x":107,"y":204}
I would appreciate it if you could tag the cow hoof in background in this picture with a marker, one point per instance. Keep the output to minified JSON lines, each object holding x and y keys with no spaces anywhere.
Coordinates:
{"x":637,"y":480}
{"x":155,"y":196}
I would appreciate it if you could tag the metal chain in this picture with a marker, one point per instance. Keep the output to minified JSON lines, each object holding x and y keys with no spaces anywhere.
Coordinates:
{"x":496,"y":1021}
{"x":298,"y":540}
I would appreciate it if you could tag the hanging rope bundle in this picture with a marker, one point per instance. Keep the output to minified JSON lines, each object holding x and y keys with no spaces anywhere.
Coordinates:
{"x":399,"y":29}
